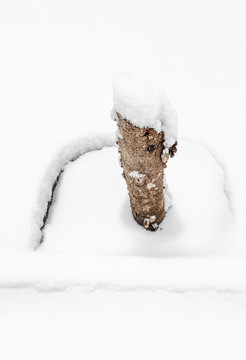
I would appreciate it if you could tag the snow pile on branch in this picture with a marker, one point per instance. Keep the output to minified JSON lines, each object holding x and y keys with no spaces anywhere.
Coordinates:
{"x":144,"y":106}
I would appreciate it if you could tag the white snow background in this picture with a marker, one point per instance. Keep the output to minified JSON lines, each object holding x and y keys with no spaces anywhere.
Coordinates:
{"x":103,"y":287}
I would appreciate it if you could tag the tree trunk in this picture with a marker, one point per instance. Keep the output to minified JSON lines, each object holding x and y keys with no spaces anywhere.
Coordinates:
{"x":142,"y":159}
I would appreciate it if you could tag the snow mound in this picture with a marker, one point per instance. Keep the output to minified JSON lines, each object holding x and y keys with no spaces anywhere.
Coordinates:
{"x":69,"y":153}
{"x":91,"y":212}
{"x":145,"y":106}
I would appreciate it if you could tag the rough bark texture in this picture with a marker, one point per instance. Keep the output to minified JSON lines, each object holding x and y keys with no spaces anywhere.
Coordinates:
{"x":143,"y":163}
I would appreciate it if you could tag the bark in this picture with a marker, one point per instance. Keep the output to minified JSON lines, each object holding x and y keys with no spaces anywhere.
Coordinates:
{"x":143,"y":162}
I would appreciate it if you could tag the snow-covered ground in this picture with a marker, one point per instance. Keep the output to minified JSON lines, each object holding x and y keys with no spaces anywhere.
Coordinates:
{"x":87,"y":292}
{"x":121,"y":325}
{"x":91,"y":203}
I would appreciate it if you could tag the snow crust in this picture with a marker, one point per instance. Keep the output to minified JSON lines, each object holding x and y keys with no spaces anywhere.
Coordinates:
{"x":144,"y":106}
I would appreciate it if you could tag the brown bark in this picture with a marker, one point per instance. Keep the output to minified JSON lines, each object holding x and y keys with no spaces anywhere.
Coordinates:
{"x":143,"y":163}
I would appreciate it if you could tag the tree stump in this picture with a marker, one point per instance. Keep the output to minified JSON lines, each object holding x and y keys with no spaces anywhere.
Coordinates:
{"x":143,"y":162}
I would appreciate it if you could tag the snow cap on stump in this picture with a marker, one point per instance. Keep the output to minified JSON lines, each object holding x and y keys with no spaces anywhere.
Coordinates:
{"x":144,"y":106}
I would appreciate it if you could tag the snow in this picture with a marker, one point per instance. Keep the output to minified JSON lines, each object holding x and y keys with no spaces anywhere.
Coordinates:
{"x":108,"y":213}
{"x":135,"y":174}
{"x":150,"y":186}
{"x":144,"y":106}
{"x":69,"y":153}
{"x":182,"y":296}
{"x":120,"y":325}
